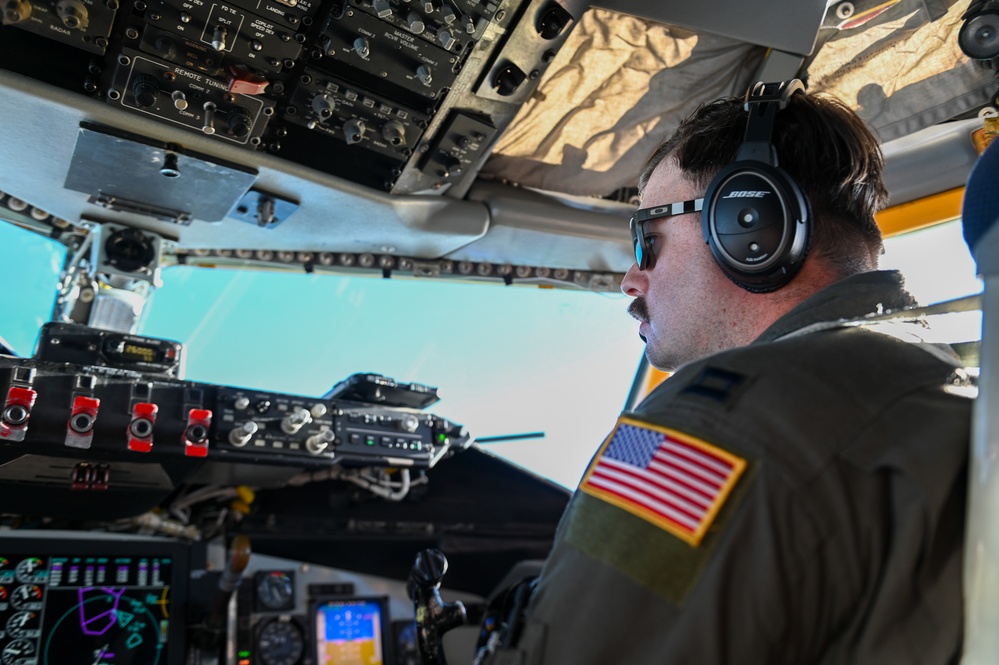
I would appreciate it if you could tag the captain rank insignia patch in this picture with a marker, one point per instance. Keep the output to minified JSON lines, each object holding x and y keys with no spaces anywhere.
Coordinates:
{"x":669,"y":479}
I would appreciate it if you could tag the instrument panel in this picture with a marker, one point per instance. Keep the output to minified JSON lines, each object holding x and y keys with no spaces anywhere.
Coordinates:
{"x":116,"y":401}
{"x":359,"y":89}
{"x":108,"y":599}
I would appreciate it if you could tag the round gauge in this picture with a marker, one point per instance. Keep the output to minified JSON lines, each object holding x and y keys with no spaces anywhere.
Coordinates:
{"x":29,"y":570}
{"x":18,"y":652}
{"x":275,"y":590}
{"x":18,"y":625}
{"x":27,"y":597}
{"x":280,"y":643}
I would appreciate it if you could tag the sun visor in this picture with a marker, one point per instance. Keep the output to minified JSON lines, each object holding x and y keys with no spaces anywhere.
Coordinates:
{"x":611,"y":96}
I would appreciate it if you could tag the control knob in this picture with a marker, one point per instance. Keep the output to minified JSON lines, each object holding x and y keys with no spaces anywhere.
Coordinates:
{"x":74,"y":14}
{"x":382,"y":9}
{"x":320,"y":441}
{"x":295,"y":420}
{"x":425,"y":75}
{"x":416,"y":25}
{"x":240,"y":123}
{"x":323,"y":105}
{"x":450,"y":165}
{"x":145,"y":90}
{"x":353,"y":131}
{"x":361,"y":48}
{"x":409,"y":423}
{"x":241,"y":435}
{"x":165,"y":46}
{"x":394,"y":132}
{"x":445,"y":37}
{"x":15,"y":11}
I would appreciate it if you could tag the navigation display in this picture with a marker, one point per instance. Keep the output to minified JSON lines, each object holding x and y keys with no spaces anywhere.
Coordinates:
{"x":350,"y":631}
{"x":91,"y":608}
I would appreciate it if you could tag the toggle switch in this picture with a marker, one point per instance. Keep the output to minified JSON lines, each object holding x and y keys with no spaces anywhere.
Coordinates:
{"x":320,"y":441}
{"x":196,"y":433}
{"x":16,"y":411}
{"x":209,"y":125}
{"x":295,"y":420}
{"x":80,"y":427}
{"x":219,"y":35}
{"x":140,"y":430}
{"x":241,"y":435}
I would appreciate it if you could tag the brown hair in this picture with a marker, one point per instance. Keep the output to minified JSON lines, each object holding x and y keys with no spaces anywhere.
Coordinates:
{"x":823,"y":145}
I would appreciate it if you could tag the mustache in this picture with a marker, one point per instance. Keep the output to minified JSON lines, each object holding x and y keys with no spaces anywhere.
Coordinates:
{"x":638,"y":309}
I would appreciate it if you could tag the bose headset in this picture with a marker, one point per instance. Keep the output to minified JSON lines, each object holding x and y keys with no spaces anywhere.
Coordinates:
{"x":755,"y":218}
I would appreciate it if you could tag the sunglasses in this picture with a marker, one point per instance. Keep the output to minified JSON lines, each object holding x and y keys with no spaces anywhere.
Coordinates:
{"x":643,"y":243}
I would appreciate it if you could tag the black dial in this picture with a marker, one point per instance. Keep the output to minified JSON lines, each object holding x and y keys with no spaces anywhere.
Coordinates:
{"x":275,"y":590}
{"x":280,"y":642}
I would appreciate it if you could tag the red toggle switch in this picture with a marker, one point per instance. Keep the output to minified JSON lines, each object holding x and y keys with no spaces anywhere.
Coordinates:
{"x":244,"y":82}
{"x":80,"y":428}
{"x":196,"y":433}
{"x":17,"y":410}
{"x":140,"y":430}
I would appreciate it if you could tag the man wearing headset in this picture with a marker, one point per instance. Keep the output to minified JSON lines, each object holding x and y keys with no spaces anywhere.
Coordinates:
{"x":795,"y":492}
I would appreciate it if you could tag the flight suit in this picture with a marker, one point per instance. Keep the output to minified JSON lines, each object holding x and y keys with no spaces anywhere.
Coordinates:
{"x":830,"y":533}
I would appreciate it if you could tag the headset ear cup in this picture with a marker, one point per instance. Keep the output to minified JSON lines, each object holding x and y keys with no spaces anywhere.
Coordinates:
{"x":758,"y":225}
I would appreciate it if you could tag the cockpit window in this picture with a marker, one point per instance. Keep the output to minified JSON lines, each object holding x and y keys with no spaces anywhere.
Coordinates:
{"x":550,"y":366}
{"x":508,"y":361}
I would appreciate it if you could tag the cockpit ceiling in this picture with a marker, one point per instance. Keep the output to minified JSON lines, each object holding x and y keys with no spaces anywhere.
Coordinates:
{"x":621,"y":84}
{"x":545,"y":189}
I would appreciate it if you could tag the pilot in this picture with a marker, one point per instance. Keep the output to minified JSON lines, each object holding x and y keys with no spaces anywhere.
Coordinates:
{"x":795,"y":491}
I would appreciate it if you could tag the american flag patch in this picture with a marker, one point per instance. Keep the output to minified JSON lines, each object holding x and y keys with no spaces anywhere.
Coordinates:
{"x":672,"y":480}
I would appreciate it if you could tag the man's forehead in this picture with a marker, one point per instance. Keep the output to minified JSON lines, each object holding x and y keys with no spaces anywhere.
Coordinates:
{"x":667,"y":184}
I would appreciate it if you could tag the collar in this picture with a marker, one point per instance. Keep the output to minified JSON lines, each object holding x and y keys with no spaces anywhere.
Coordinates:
{"x":860,"y":295}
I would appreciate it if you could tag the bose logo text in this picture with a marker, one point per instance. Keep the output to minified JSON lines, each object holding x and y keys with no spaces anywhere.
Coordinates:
{"x":745,"y":194}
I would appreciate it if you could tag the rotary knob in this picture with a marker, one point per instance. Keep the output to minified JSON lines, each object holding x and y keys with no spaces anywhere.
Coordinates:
{"x":394,"y":132}
{"x":240,"y":123}
{"x":409,"y":423}
{"x":74,"y":14}
{"x":323,"y":105}
{"x":361,"y":48}
{"x":425,"y":76}
{"x":445,"y":37}
{"x":353,"y":131}
{"x":416,"y":25}
{"x":15,"y":11}
{"x":145,"y":90}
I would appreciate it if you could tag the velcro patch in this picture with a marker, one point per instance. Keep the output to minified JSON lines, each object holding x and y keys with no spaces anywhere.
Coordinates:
{"x":669,"y":479}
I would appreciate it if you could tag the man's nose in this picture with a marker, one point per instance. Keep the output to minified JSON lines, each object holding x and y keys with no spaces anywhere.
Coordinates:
{"x":634,"y":281}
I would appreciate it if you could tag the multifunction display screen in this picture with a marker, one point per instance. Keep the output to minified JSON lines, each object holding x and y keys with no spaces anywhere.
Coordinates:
{"x":350,"y":632}
{"x":95,"y":610}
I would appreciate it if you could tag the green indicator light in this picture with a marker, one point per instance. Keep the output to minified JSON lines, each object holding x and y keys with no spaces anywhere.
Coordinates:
{"x":441,"y":438}
{"x":370,"y":441}
{"x":244,"y":654}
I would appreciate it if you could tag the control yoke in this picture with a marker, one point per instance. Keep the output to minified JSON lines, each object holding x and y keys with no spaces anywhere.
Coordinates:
{"x":434,"y":617}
